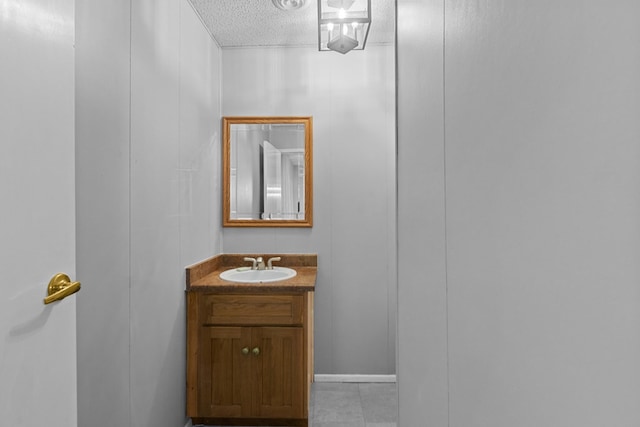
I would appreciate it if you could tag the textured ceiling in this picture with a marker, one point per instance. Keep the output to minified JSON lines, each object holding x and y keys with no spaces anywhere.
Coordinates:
{"x":239,"y":23}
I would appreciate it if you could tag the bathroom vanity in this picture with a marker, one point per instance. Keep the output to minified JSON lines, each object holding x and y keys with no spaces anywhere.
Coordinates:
{"x":250,"y":345}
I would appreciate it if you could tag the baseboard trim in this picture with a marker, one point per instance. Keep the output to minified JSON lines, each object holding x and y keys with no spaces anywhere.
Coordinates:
{"x":331,"y":378}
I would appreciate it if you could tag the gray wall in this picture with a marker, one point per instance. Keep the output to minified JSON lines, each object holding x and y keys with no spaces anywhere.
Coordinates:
{"x":527,"y":313}
{"x":422,"y":291}
{"x":351,"y":99}
{"x":147,"y":87}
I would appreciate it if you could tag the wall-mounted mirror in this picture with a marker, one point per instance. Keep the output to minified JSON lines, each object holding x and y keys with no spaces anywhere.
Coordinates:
{"x":267,"y":171}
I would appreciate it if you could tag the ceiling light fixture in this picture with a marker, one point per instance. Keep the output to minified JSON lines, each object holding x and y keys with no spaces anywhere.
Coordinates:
{"x":343,"y":25}
{"x":289,"y":4}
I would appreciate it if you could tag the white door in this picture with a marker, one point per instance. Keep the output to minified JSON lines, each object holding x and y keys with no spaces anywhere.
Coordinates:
{"x":37,"y":220}
{"x":272,"y":175}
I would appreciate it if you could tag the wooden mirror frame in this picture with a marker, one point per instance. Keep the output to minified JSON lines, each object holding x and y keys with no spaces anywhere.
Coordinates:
{"x":227,"y":221}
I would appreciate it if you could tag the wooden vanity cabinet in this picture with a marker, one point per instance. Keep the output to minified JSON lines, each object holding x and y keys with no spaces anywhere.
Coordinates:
{"x":249,"y":358}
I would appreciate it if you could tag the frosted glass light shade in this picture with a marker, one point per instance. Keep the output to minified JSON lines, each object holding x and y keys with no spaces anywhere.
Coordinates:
{"x":343,"y":25}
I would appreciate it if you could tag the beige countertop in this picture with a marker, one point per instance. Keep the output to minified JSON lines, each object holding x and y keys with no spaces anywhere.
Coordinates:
{"x":205,"y":275}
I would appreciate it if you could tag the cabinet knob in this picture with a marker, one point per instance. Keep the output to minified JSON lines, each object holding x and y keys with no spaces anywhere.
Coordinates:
{"x":245,"y":350}
{"x":256,"y":351}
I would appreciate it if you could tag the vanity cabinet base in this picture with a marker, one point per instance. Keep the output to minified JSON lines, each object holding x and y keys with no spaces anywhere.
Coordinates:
{"x":249,"y":358}
{"x":251,"y":422}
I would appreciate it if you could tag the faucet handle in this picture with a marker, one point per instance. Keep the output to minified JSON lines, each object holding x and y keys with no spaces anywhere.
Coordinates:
{"x":252,"y":261}
{"x":275,"y":258}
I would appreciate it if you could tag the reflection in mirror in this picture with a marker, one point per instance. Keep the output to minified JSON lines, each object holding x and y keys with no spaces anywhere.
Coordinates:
{"x":267,"y":171}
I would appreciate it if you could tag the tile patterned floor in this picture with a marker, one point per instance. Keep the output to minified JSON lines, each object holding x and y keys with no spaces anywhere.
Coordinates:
{"x":353,"y":405}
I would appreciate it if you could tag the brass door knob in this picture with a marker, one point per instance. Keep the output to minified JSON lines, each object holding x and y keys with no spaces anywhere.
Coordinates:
{"x":245,"y":350}
{"x":256,"y":351}
{"x":60,"y":286}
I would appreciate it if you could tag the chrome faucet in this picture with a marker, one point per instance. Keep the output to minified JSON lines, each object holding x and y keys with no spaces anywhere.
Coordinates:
{"x":258,"y":263}
{"x":269,"y":265}
{"x":253,"y":262}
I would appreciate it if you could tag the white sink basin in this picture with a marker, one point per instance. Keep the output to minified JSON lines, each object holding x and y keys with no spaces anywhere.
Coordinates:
{"x":246,"y":275}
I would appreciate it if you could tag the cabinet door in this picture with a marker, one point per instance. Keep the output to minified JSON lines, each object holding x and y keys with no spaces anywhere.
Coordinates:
{"x":224,"y":366}
{"x":278,"y":372}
